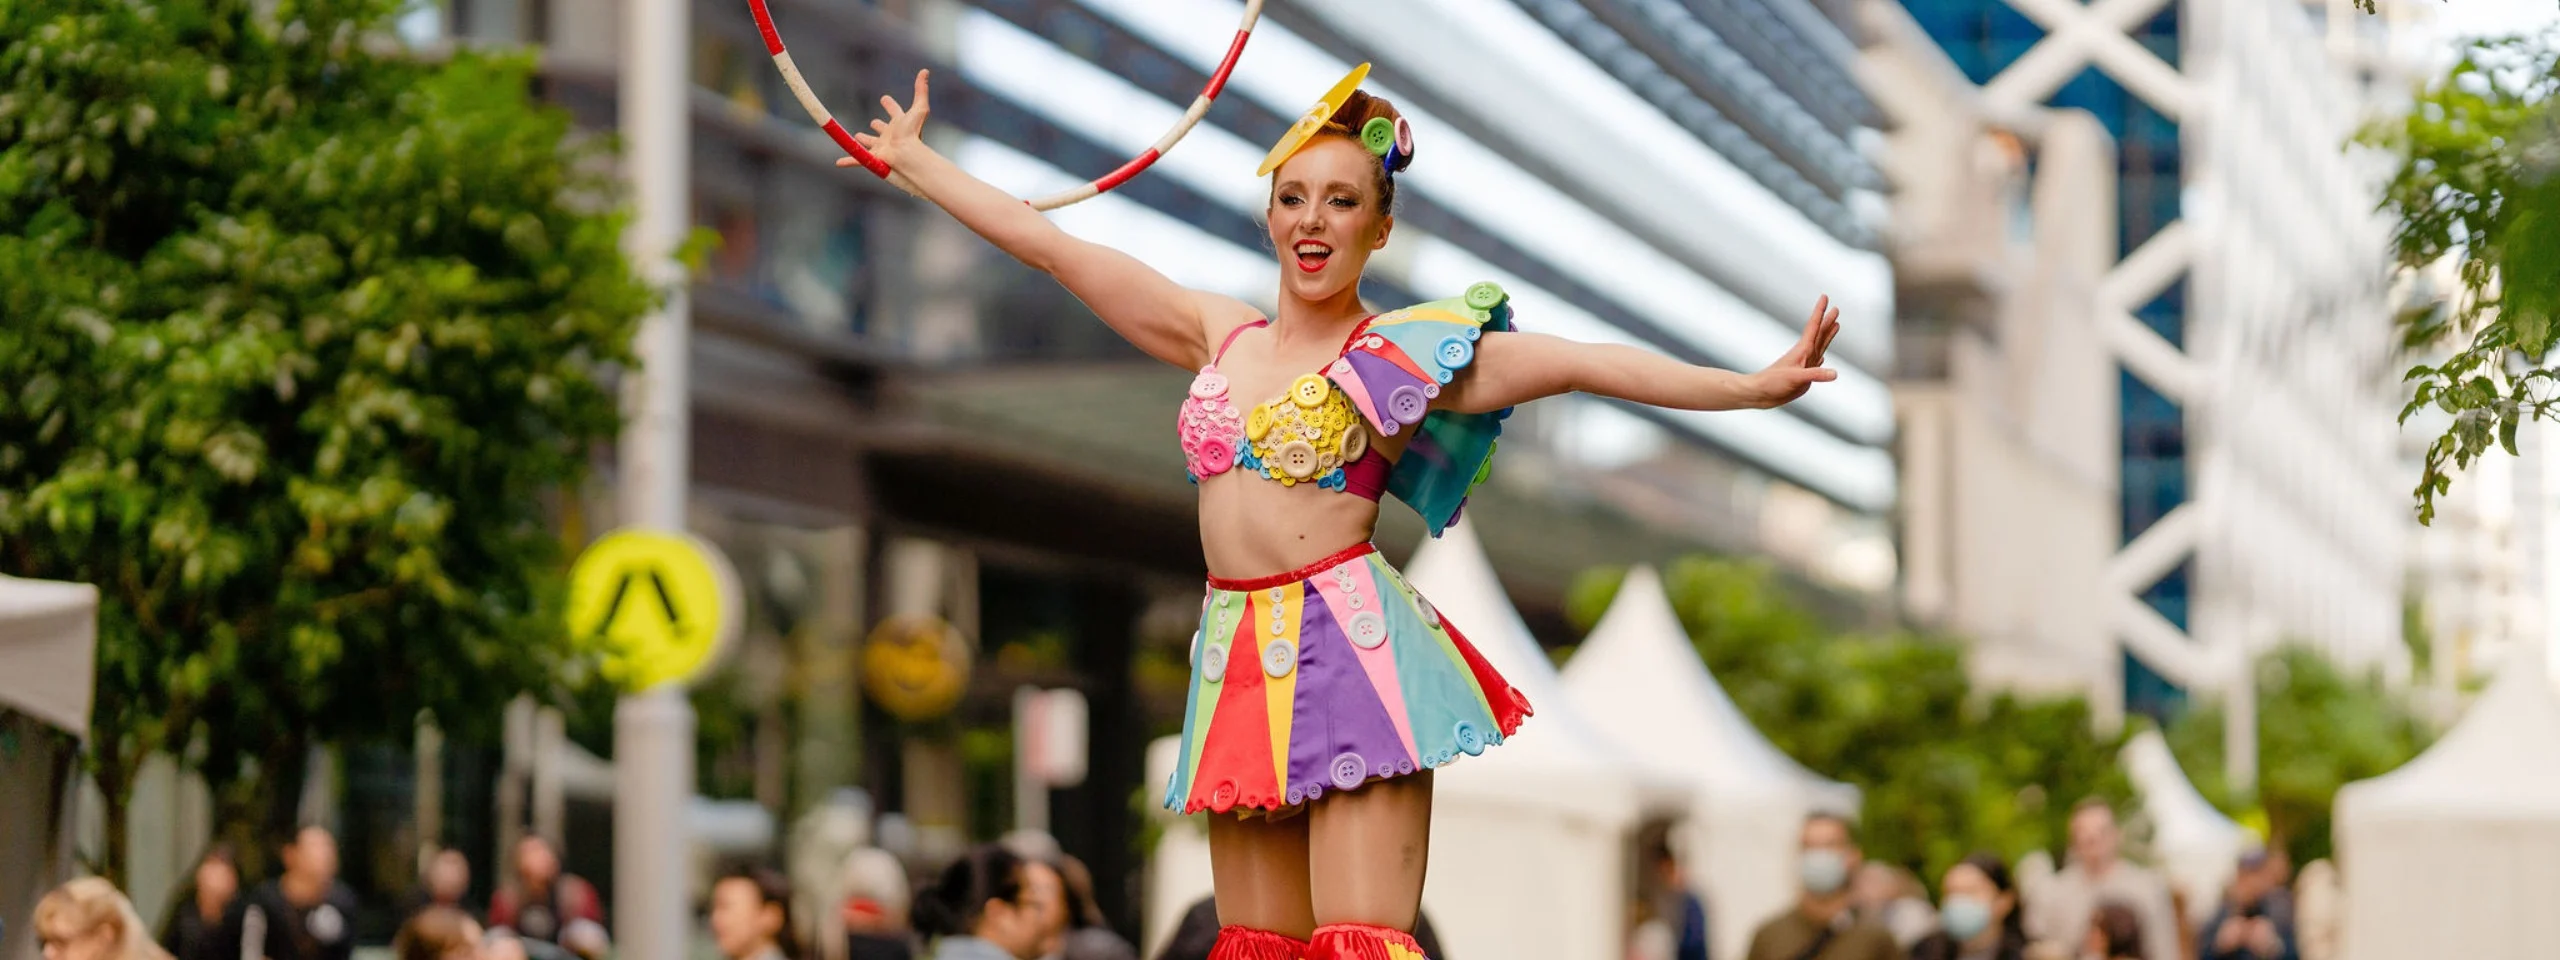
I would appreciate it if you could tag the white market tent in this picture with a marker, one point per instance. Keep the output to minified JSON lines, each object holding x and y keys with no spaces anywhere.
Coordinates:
{"x":2457,"y":853}
{"x":1640,"y":681}
{"x":2193,"y":842}
{"x":1529,"y":842}
{"x":48,"y":668}
{"x":48,"y":647}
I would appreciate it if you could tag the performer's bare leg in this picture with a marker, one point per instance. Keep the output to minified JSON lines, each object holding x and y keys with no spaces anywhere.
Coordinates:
{"x":1370,"y":847}
{"x":1260,"y":868}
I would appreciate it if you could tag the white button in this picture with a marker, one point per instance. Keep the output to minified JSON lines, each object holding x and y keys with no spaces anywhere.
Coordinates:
{"x":1368,"y":630}
{"x":1279,"y":658}
{"x":1213,"y":663}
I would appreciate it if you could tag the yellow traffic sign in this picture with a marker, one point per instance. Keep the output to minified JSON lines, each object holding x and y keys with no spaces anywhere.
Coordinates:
{"x":661,"y":606}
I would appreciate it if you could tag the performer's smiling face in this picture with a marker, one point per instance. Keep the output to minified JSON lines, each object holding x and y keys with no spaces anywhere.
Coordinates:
{"x":1327,"y":215}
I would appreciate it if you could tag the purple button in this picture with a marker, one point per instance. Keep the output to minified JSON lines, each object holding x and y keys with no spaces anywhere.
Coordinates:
{"x":1407,"y":404}
{"x":1349,"y":769}
{"x":1297,"y":794}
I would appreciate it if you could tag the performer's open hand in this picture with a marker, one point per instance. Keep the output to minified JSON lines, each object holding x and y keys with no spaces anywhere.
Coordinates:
{"x":1801,"y":367}
{"x":902,"y":134}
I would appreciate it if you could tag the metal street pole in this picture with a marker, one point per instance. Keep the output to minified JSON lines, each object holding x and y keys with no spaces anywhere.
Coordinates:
{"x":653,"y":731}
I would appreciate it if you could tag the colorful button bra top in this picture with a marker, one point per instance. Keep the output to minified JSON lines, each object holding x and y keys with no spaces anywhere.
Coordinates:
{"x":1318,"y":431}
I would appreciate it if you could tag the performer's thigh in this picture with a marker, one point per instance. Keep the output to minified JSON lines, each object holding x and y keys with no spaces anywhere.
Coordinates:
{"x":1260,"y":868}
{"x":1368,"y":849}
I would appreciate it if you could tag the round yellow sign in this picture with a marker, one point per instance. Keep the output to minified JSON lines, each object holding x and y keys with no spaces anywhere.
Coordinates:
{"x":915,"y":667}
{"x":661,"y":606}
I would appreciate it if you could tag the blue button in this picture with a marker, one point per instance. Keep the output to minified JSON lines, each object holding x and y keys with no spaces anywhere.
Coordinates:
{"x":1468,"y":739}
{"x":1456,"y":351}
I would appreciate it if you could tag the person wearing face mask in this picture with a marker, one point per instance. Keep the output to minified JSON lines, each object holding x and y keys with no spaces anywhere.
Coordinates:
{"x":1979,"y":917}
{"x":1822,"y":927}
{"x":990,"y":905}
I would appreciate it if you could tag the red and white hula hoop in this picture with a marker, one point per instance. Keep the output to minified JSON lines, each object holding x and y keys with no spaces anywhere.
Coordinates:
{"x":869,"y":161}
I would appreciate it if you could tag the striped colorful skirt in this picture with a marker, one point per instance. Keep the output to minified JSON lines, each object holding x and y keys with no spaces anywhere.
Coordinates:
{"x":1326,"y":678}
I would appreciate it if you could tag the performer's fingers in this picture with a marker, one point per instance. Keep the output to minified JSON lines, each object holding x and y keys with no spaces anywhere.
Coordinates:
{"x":891,"y":105}
{"x":880,"y":127}
{"x":924,"y":93}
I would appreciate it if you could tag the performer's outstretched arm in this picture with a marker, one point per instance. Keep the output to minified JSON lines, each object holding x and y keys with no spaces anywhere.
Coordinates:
{"x":1514,"y":368}
{"x":1145,"y":307}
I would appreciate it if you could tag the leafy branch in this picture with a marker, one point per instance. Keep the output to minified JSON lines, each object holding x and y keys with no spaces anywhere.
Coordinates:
{"x":2475,"y":188}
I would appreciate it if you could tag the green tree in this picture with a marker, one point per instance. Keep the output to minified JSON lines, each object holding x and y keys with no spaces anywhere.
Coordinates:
{"x":2319,"y":729}
{"x":1944,"y":769}
{"x":2476,"y":184}
{"x":298,"y":336}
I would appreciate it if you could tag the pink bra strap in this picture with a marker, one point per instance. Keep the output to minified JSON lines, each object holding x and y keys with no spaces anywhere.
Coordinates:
{"x":1233,"y":334}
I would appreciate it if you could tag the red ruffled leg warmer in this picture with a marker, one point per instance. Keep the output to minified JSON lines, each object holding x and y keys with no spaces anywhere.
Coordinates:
{"x":1247,"y":943}
{"x":1360,"y":941}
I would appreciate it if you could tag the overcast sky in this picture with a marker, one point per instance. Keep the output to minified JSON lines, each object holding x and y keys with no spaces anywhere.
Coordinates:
{"x":2476,"y":18}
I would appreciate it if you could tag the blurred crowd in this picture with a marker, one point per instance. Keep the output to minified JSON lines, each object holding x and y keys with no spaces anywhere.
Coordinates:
{"x":998,"y":901}
{"x":2097,"y":906}
{"x":1025,"y":900}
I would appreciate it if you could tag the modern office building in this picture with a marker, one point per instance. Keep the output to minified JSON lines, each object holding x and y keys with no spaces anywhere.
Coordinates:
{"x":2260,"y":499}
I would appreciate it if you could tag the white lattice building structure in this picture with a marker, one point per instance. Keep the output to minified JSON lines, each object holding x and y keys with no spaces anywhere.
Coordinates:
{"x":2246,"y":289}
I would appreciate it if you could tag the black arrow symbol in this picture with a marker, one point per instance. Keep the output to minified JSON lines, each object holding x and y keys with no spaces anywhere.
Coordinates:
{"x":622,"y":587}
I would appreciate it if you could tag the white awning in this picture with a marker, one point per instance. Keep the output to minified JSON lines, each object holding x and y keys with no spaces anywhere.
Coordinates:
{"x":48,"y":650}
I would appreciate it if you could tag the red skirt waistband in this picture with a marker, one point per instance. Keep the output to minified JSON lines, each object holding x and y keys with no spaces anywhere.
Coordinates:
{"x":1345,"y":555}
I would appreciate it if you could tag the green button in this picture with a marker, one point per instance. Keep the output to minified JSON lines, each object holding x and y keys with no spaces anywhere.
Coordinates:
{"x":1486,"y":295}
{"x":1377,"y":135}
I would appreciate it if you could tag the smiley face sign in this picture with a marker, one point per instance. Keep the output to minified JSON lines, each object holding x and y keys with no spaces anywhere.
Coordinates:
{"x":915,"y":667}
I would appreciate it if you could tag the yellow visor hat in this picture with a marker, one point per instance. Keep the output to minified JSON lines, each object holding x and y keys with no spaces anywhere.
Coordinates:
{"x":1314,"y":120}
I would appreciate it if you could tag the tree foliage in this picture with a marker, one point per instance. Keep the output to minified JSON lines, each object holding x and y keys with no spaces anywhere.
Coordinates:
{"x":2319,"y":729}
{"x":297,"y":333}
{"x":2478,"y":182}
{"x":1945,"y":770}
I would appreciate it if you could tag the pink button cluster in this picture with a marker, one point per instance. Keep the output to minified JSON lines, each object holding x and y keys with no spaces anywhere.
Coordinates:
{"x":1210,"y":425}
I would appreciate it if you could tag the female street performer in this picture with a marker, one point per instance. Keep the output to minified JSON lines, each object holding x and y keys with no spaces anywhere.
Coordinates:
{"x":1323,"y":689}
